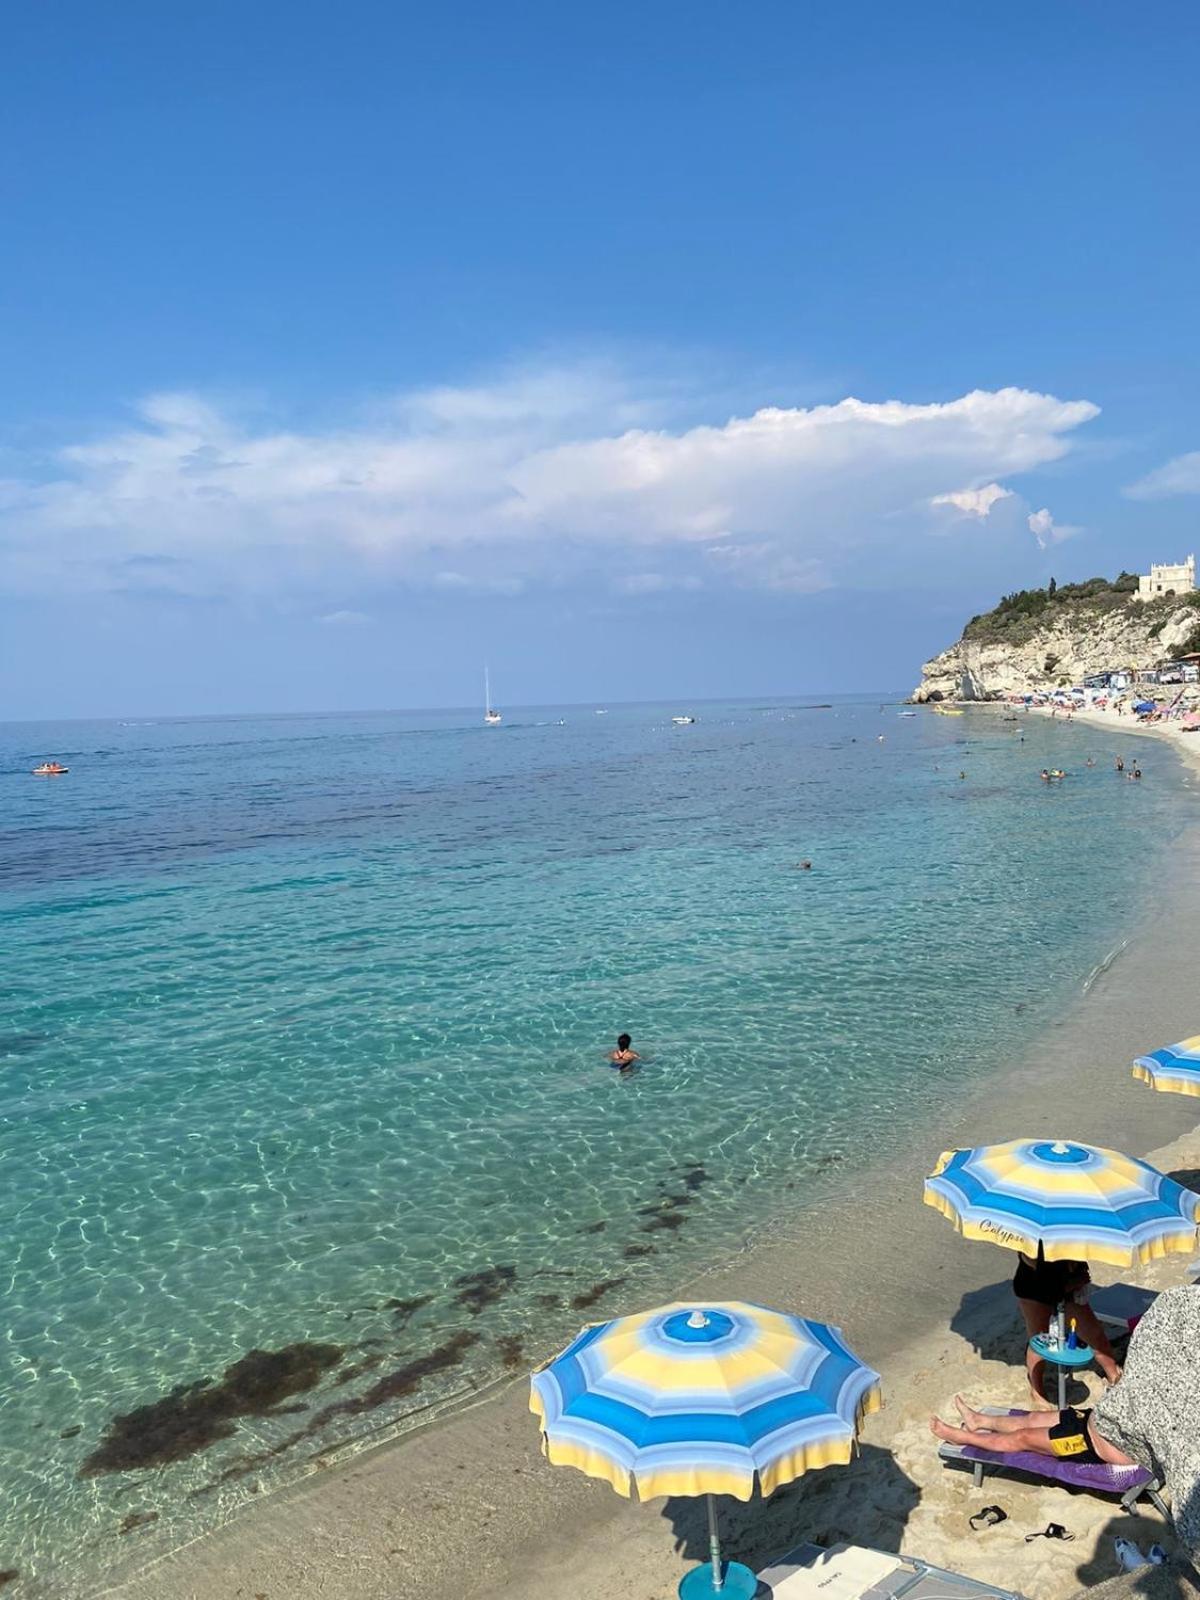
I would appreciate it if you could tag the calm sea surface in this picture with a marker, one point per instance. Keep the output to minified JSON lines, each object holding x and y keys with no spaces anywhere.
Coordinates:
{"x":303,"y":1025}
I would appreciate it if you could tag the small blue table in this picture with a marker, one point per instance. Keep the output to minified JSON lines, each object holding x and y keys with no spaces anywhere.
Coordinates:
{"x":1061,"y":1356}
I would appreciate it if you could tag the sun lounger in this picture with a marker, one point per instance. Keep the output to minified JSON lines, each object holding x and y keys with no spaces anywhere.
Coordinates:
{"x":1121,"y":1304}
{"x":854,"y":1572}
{"x":1128,"y":1484}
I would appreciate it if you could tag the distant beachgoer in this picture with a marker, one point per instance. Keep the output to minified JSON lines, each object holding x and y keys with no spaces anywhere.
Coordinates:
{"x":1045,"y":775}
{"x":805,"y":866}
{"x":1040,"y":1287}
{"x":1120,"y":763}
{"x":623,"y":1057}
{"x":962,"y":774}
{"x":1089,"y":762}
{"x":1137,"y":772}
{"x":1069,"y":1435}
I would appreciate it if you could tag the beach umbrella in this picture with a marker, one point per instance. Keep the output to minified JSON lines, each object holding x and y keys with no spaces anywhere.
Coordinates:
{"x":1175,"y":1068}
{"x":694,"y":1399}
{"x":1077,"y":1201}
{"x":1145,"y":705}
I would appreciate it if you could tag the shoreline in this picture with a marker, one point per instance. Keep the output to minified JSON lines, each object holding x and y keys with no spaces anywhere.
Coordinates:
{"x":466,"y":1508}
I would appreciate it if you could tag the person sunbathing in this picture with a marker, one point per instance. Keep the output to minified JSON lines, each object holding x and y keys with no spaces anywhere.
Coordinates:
{"x":1068,"y":1435}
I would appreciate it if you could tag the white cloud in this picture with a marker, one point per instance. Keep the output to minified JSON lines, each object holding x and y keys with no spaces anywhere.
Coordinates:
{"x":344,"y":619}
{"x":973,"y":502}
{"x":1180,"y":475}
{"x":1047,"y":532}
{"x":540,"y":476}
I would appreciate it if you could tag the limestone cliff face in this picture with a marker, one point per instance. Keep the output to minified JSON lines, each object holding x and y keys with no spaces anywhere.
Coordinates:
{"x":1066,"y":645}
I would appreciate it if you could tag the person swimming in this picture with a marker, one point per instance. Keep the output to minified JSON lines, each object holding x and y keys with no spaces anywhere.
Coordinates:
{"x":623,"y":1057}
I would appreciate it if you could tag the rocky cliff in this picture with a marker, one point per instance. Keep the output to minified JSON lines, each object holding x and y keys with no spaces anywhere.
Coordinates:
{"x":1046,"y":638}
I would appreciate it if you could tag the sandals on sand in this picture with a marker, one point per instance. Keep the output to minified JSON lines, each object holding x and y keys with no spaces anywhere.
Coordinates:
{"x":987,"y":1518}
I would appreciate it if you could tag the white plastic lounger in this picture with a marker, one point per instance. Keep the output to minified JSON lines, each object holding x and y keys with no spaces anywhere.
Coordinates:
{"x":854,"y":1572}
{"x":1128,"y":1484}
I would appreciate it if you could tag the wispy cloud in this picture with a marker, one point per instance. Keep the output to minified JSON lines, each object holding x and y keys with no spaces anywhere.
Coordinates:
{"x":1047,"y":532}
{"x":537,"y":476}
{"x":1180,"y":475}
{"x":973,"y":502}
{"x":344,"y":619}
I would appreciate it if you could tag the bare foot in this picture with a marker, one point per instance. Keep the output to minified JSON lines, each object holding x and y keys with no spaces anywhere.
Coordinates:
{"x":973,"y":1420}
{"x":942,"y":1430}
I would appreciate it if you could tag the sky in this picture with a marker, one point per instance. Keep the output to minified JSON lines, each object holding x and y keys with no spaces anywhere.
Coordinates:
{"x":639,"y":350}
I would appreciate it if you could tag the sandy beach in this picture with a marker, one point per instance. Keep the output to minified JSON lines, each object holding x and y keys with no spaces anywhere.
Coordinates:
{"x":468,"y":1509}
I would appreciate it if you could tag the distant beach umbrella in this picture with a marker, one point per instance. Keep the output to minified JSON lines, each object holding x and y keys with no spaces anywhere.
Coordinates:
{"x":1146,"y":705}
{"x":694,"y":1399}
{"x":1175,"y":1068}
{"x":1077,"y":1202}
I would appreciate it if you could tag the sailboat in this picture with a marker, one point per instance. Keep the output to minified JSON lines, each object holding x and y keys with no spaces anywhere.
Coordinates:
{"x":490,"y":716}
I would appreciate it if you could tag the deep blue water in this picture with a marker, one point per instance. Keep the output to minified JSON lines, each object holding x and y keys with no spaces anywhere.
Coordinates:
{"x":303,"y":1024}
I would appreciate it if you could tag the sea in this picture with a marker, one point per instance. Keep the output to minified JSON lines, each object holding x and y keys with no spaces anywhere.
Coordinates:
{"x":307,"y":1128}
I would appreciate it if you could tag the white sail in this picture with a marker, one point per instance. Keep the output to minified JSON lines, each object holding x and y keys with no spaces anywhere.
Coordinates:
{"x":490,"y":715}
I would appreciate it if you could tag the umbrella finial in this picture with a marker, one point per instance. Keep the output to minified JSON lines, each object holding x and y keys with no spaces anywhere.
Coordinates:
{"x":1059,"y":1148}
{"x":697,"y":1320}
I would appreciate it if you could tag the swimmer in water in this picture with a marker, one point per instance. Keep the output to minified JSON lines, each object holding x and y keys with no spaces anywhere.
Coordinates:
{"x":805,"y":866}
{"x":1045,"y":775}
{"x":623,"y":1057}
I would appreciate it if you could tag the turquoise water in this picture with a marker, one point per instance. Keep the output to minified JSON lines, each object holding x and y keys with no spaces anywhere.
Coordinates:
{"x":303,"y":1030}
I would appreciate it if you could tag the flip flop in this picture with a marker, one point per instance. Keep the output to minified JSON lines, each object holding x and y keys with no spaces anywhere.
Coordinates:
{"x":987,"y":1518}
{"x":1052,"y":1530}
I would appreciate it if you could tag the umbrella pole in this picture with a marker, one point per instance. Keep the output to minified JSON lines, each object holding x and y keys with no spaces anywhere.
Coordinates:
{"x":714,"y":1544}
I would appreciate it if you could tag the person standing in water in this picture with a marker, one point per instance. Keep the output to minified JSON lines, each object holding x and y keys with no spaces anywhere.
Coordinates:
{"x":623,"y":1057}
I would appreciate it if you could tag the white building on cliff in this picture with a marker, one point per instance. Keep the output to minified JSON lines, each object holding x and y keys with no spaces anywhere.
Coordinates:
{"x":1168,"y":580}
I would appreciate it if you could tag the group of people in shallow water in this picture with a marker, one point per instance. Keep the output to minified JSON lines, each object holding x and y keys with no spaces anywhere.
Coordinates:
{"x":1053,"y":774}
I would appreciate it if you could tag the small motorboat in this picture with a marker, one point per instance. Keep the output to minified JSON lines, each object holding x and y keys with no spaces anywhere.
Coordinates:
{"x":907,"y":713}
{"x":683,"y":722}
{"x":50,"y":769}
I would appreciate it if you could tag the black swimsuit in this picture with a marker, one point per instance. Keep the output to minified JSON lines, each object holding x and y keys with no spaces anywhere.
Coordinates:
{"x":1048,"y":1283}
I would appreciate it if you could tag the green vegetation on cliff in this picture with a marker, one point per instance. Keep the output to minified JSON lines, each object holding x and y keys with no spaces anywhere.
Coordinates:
{"x":1023,"y":615}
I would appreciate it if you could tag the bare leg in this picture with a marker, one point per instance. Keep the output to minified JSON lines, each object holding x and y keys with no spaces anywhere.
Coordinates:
{"x":984,"y":1422}
{"x":1008,"y":1443}
{"x":1092,"y":1331}
{"x":1037,"y":1319}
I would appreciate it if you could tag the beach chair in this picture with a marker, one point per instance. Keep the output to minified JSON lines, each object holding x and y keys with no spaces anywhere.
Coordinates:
{"x":1128,"y":1484}
{"x":855,"y":1572}
{"x":1120,"y":1305}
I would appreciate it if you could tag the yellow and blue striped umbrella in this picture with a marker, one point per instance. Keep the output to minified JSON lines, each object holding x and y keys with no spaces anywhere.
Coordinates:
{"x":1175,"y":1068}
{"x":698,"y":1400}
{"x":1077,"y":1201}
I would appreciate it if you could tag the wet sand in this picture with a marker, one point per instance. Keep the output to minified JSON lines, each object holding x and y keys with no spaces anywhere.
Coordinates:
{"x":468,"y":1509}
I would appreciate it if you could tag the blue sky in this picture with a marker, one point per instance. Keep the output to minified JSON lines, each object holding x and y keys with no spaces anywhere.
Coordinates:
{"x":642,"y":349}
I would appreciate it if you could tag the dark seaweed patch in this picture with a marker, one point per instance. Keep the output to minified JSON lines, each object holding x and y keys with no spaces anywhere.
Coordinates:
{"x":547,"y":1302}
{"x":137,"y":1519}
{"x":196,"y":1415}
{"x":589,"y":1296}
{"x":666,"y":1222}
{"x":694,"y":1176}
{"x":72,"y":1433}
{"x":405,"y":1310}
{"x":21,"y":1044}
{"x":511,"y":1347}
{"x":357,"y":1368}
{"x":8,"y":1575}
{"x":667,"y":1202}
{"x":634,"y":1252}
{"x":404,"y":1380}
{"x":481,"y":1289}
{"x":593,"y":1227}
